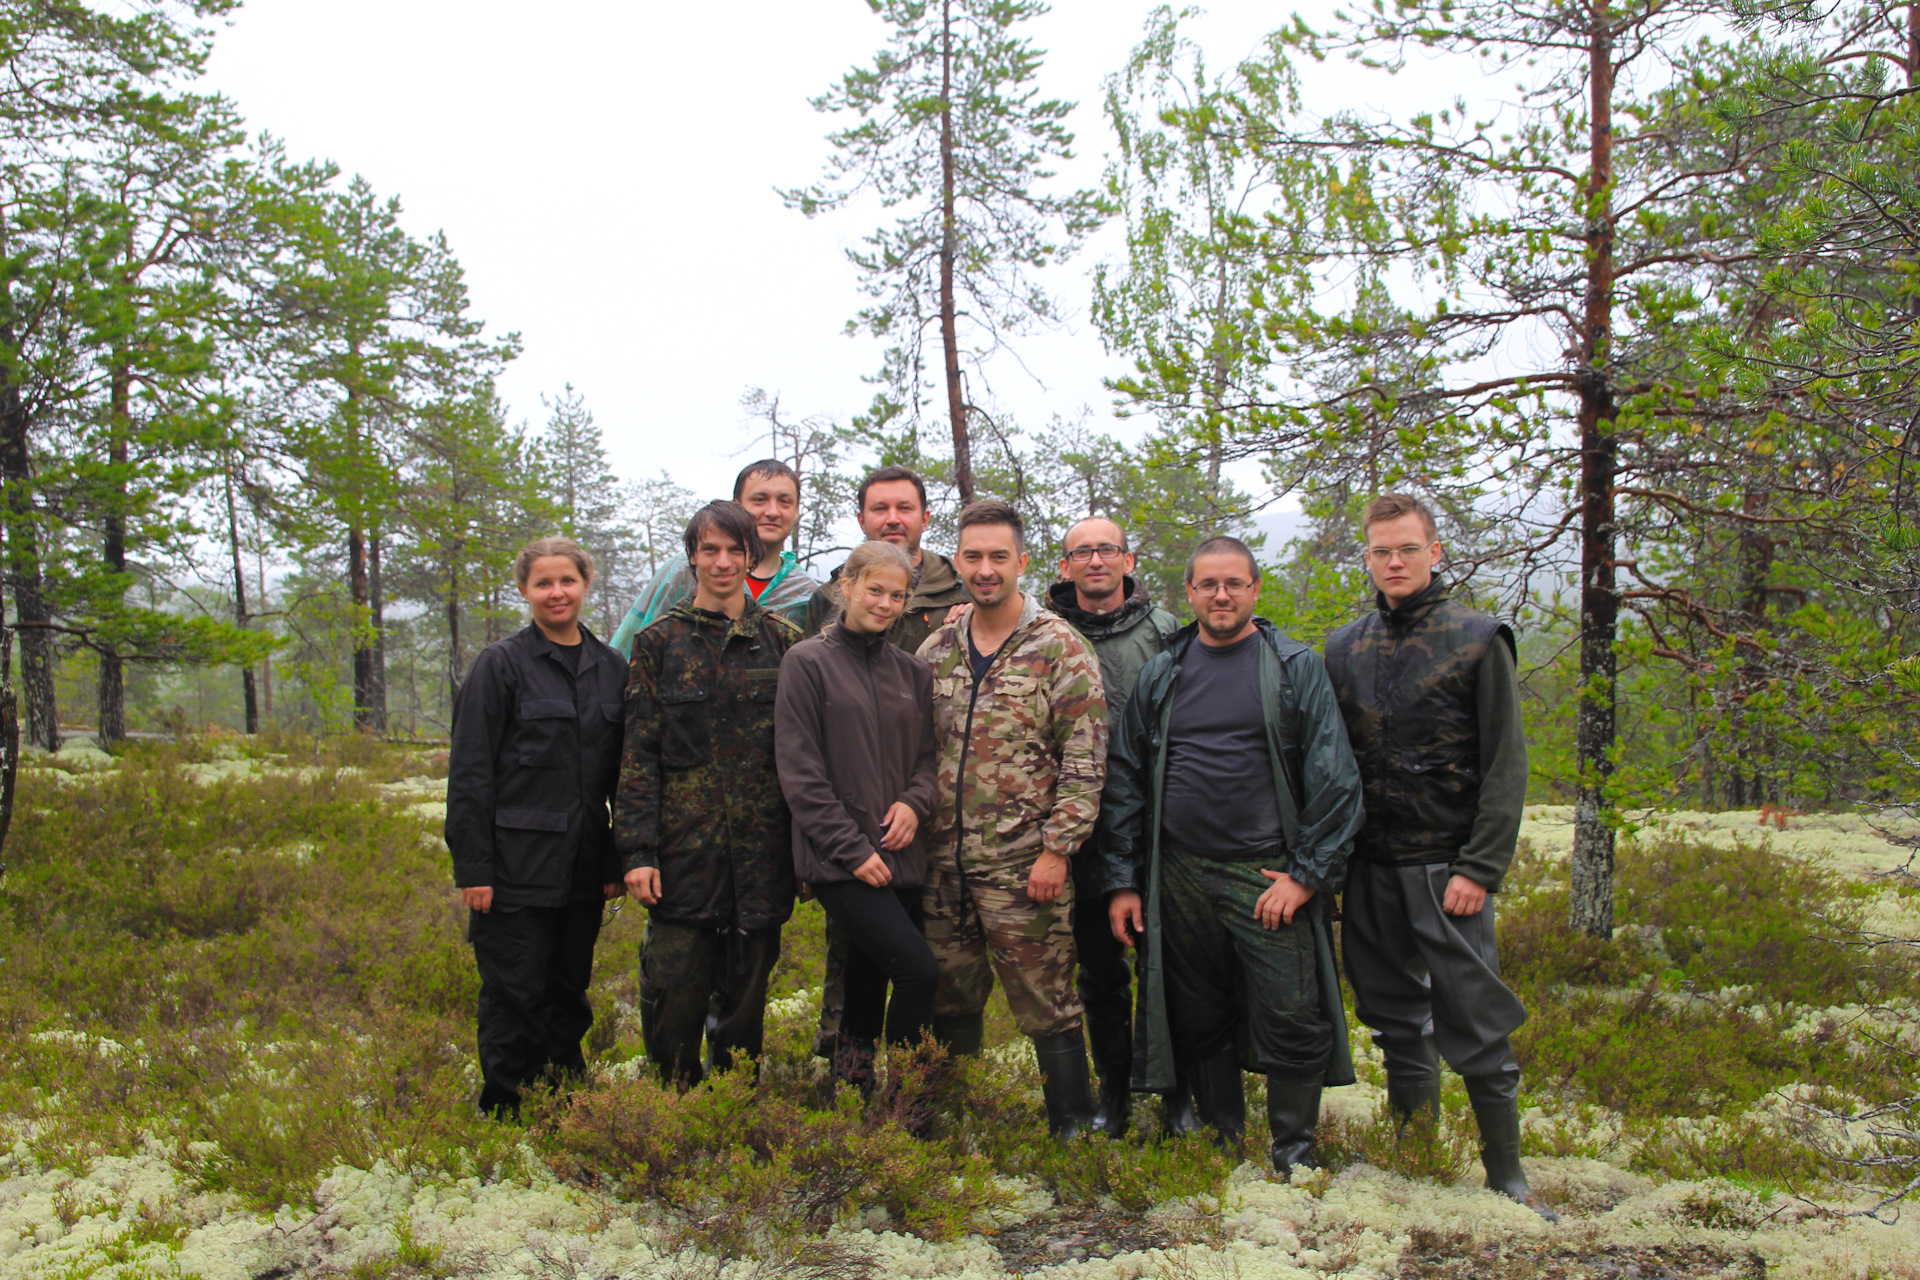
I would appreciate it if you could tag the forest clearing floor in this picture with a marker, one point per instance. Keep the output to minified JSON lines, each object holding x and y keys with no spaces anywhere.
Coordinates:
{"x":236,"y":1043}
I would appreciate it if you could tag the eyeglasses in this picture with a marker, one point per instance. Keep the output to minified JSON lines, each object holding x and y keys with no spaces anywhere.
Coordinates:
{"x":1106,"y":551}
{"x":1232,"y":586}
{"x":1384,"y":554}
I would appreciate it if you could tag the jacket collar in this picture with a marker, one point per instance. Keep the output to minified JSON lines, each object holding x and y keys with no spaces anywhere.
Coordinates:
{"x":537,"y":640}
{"x":1029,"y":611}
{"x":866,"y":645}
{"x":747,"y":624}
{"x":938,"y":578}
{"x":1135,"y":605}
{"x":1414,"y":610}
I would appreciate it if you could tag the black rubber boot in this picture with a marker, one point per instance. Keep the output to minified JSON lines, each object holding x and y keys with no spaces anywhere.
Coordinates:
{"x":1111,"y":1044}
{"x":1220,"y":1098}
{"x":962,"y":1035}
{"x":853,"y":1062}
{"x":1496,"y":1105}
{"x":1409,"y":1098}
{"x":1064,"y":1082}
{"x":1176,"y":1111}
{"x":1293,"y":1113}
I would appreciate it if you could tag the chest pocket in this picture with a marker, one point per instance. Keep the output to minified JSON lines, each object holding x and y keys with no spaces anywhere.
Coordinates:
{"x":1021,"y":692}
{"x":762,"y":683}
{"x":547,"y":733}
{"x":686,"y":731}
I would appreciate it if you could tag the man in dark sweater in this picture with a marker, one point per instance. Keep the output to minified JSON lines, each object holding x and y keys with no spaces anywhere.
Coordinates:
{"x":1432,"y":705}
{"x":1231,"y":804}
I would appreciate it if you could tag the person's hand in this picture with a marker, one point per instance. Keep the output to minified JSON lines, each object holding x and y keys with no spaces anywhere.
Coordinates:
{"x":643,"y":883}
{"x":1464,"y":897}
{"x":479,"y":898}
{"x":613,"y":890}
{"x":874,"y":872}
{"x":1126,"y":916}
{"x":901,"y":824}
{"x":1048,"y":877}
{"x":1282,"y":898}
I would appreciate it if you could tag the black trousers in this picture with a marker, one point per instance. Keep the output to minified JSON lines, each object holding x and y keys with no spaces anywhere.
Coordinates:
{"x":885,"y":945}
{"x":535,"y":964}
{"x":1417,"y":971}
{"x":1105,"y":981}
{"x":687,"y":970}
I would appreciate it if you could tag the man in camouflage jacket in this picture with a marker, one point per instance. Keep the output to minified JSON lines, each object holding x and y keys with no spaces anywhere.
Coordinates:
{"x":699,"y":819}
{"x":1432,"y":705}
{"x":1021,"y":718}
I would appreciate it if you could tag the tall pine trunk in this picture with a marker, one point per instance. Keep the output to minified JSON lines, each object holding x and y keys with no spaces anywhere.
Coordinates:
{"x":112,"y":689}
{"x":247,"y":693}
{"x":32,"y":617}
{"x":1591,"y":909}
{"x":456,"y":660}
{"x":362,"y":649}
{"x":949,"y":322}
{"x":377,"y":613}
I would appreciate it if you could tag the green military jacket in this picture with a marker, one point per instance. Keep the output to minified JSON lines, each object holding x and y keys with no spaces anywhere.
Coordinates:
{"x":1316,"y":785}
{"x":699,"y":796}
{"x":934,"y":597}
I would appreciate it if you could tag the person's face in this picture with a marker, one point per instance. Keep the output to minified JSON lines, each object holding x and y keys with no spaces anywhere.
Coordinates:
{"x":720,"y":564}
{"x":876,"y":598}
{"x":1400,"y":557}
{"x":775,"y":504}
{"x":990,"y":562}
{"x":894,"y":513}
{"x":1222,"y":592}
{"x":555,"y":591}
{"x":1095,"y":560}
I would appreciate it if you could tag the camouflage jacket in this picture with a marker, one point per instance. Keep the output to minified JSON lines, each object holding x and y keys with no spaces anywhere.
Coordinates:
{"x":1023,"y":752}
{"x":935,"y":594}
{"x":787,"y":593}
{"x":1432,"y":707}
{"x":698,"y":795}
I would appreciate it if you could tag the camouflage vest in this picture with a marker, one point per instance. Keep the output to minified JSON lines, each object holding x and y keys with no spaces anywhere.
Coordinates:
{"x":1405,"y":681}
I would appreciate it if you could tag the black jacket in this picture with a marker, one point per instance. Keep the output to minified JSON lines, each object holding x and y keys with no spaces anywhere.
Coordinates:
{"x":535,"y":756}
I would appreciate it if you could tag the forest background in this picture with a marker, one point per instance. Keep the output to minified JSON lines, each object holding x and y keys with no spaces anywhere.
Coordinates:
{"x":1638,"y":320}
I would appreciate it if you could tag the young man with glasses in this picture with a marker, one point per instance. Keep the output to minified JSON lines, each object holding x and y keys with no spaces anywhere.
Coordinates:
{"x":1106,"y":604}
{"x":1231,"y":804}
{"x":1428,"y":690}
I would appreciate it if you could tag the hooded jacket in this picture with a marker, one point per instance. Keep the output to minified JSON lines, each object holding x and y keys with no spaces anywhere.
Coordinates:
{"x":935,"y":595}
{"x":786,"y":593}
{"x":853,"y":731}
{"x":1316,"y":785}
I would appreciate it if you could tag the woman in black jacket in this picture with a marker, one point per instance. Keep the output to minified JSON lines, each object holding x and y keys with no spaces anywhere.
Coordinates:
{"x":535,"y":756}
{"x":853,"y":734}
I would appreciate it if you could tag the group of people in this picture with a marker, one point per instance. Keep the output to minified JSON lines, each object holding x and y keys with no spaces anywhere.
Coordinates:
{"x":1138,"y":828}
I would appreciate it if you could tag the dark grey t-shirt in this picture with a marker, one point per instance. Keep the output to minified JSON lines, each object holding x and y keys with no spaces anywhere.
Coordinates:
{"x":1219,"y":796}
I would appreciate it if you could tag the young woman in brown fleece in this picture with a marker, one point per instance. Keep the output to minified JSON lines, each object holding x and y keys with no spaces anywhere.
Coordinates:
{"x":853,"y":735}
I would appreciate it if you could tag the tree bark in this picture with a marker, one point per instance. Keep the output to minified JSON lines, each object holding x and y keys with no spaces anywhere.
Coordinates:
{"x":1591,"y":908}
{"x":112,"y":691}
{"x":949,"y":323}
{"x":266,"y":662}
{"x":32,"y":617}
{"x":456,"y":660}
{"x":9,"y":737}
{"x":377,"y":614}
{"x":362,"y":650}
{"x":247,"y":693}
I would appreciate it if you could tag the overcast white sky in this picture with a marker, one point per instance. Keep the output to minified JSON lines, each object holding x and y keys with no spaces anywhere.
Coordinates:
{"x":606,"y":173}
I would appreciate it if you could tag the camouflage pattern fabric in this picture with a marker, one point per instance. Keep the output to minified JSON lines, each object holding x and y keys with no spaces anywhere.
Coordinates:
{"x":984,"y":925}
{"x":1022,"y":760}
{"x":786,"y":594}
{"x":699,"y":797}
{"x":1405,"y":679}
{"x":712,"y":982}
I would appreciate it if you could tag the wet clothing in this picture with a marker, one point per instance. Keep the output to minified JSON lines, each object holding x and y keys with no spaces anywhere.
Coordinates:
{"x":1432,"y":707}
{"x":696,"y":980}
{"x":535,"y":964}
{"x":1219,"y":784}
{"x":937,"y":589}
{"x":533,"y":762}
{"x":699,"y":797}
{"x":1234,"y":984}
{"x":786,"y":593}
{"x":853,"y":726}
{"x":1316,"y":789}
{"x":1417,"y":972}
{"x":1123,"y":641}
{"x":885,"y":945}
{"x":1022,"y":762}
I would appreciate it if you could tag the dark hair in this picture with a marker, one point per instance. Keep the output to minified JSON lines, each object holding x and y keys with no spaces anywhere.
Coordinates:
{"x":1218,"y":545}
{"x":1067,"y":537}
{"x":770,"y":467}
{"x":888,"y":475}
{"x":730,"y":519}
{"x":541,"y":548}
{"x":1391,"y":506}
{"x":993,"y":511}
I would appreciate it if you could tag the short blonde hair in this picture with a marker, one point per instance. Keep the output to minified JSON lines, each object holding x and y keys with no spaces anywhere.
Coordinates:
{"x":542,"y":547}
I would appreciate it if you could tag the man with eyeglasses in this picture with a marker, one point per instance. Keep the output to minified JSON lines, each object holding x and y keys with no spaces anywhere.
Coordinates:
{"x":1106,"y":604}
{"x":1231,"y":805}
{"x":1428,"y":690}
